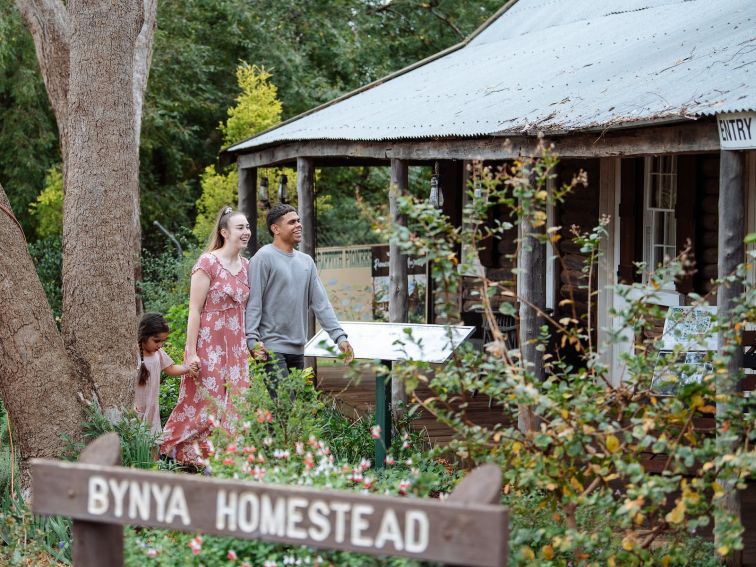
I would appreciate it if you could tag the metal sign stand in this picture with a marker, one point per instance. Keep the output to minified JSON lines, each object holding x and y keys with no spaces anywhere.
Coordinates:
{"x":389,"y":342}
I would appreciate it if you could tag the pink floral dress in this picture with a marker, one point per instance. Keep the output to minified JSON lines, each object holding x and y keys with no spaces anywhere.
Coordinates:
{"x":206,"y":400}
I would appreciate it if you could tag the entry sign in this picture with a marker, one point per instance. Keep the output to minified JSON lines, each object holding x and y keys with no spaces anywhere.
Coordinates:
{"x":458,"y":532}
{"x":737,"y":130}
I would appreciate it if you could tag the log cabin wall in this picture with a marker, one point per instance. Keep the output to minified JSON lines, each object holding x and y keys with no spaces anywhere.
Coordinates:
{"x":706,"y":213}
{"x":581,"y":210}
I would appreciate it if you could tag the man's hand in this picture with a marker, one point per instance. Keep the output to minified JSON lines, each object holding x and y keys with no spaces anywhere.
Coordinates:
{"x":346,"y":348}
{"x":259,"y":353}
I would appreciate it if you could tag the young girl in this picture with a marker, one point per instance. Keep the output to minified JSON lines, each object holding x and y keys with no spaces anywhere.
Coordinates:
{"x":153,"y":332}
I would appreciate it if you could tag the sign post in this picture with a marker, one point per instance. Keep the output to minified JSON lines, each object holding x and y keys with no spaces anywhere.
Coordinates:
{"x":388,"y":342}
{"x":469,"y":528}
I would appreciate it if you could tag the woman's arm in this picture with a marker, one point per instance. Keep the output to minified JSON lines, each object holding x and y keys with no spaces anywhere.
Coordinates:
{"x":200,"y":284}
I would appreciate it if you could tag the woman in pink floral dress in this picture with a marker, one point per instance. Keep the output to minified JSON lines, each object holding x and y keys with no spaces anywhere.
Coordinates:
{"x":215,"y":339}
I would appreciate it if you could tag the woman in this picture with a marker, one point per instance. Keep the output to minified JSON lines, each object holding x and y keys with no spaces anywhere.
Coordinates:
{"x":214,"y":339}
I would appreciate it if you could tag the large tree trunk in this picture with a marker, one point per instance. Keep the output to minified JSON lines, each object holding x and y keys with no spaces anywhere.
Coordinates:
{"x":38,"y":384}
{"x":94,"y":56}
{"x":101,"y":205}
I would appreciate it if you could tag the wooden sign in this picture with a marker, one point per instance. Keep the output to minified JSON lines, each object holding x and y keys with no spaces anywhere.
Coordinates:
{"x":737,"y":130}
{"x":466,"y":532}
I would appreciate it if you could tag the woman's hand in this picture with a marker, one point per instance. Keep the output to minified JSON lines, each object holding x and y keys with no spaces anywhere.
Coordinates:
{"x":193,"y":364}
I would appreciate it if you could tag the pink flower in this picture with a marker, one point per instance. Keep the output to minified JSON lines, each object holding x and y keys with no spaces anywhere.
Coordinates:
{"x":375,"y":432}
{"x":231,"y":448}
{"x":367,"y":483}
{"x":231,"y":555}
{"x":404,"y":486}
{"x":364,"y":464}
{"x":196,"y":545}
{"x":152,"y":552}
{"x":390,"y":460}
{"x":228,"y":461}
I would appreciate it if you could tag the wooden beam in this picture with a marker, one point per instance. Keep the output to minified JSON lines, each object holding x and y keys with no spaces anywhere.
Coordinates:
{"x":398,"y":296}
{"x":531,"y":278}
{"x":731,"y":250}
{"x":687,"y":137}
{"x":247,"y":190}
{"x":306,"y":201}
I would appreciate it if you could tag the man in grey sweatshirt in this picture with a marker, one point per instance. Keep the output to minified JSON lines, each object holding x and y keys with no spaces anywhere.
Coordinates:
{"x":283,"y":287}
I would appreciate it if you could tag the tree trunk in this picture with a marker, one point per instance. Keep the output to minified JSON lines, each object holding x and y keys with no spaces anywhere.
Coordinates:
{"x":94,"y":57}
{"x":38,"y":384}
{"x":101,"y":205}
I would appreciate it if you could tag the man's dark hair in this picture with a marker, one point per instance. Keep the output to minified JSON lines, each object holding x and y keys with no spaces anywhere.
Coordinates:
{"x":276,"y":212}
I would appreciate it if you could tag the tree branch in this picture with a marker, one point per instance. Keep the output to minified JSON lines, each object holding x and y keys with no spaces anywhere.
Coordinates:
{"x":143,"y":60}
{"x":47,"y":21}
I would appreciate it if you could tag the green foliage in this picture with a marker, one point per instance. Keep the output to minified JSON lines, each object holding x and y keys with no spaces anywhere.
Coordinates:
{"x":577,"y":476}
{"x":47,"y":254}
{"x":218,"y":189}
{"x":138,"y":444}
{"x":48,"y":206}
{"x":257,"y":106}
{"x":28,"y":134}
{"x":282,"y":442}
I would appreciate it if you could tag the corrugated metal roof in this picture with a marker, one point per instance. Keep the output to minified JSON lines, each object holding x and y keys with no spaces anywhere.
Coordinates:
{"x":553,"y":66}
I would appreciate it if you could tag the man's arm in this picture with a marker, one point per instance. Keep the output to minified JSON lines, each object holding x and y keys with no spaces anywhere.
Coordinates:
{"x":258,"y":279}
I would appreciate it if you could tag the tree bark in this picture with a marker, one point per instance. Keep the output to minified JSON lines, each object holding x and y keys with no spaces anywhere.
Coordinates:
{"x":101,"y":205}
{"x":38,"y":384}
{"x":94,"y":57}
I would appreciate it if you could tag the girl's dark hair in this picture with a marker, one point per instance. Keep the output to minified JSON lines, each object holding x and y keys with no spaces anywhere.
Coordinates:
{"x":150,"y":325}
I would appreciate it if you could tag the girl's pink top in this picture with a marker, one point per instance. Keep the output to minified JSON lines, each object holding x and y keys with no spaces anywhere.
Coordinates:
{"x":147,"y":395}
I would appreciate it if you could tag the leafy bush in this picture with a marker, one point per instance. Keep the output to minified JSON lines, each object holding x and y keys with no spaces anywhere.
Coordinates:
{"x":47,"y":254}
{"x":577,"y":472}
{"x":282,"y":441}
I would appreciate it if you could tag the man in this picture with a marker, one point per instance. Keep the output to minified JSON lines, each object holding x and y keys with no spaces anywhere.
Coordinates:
{"x":284,"y":286}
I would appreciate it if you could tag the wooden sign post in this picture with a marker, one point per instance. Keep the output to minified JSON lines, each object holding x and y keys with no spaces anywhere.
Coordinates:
{"x":469,"y":528}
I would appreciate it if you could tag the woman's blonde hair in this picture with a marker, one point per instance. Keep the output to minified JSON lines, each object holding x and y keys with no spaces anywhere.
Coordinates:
{"x":216,"y":239}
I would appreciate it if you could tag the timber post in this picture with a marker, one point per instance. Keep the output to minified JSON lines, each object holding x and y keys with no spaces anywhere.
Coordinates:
{"x":532,"y":289}
{"x":96,"y":543}
{"x":247,"y":203}
{"x":398,"y":295}
{"x":731,"y":249}
{"x":306,"y":201}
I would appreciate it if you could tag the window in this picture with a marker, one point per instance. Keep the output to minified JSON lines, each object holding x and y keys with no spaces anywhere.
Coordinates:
{"x":659,"y":226}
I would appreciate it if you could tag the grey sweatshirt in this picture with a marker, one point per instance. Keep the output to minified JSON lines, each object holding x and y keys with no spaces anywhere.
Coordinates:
{"x":282,"y":289}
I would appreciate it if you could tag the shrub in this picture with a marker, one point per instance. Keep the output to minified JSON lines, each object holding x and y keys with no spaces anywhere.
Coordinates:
{"x":578,"y":470}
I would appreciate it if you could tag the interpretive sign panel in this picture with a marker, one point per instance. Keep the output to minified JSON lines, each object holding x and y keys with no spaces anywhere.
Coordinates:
{"x":690,"y":328}
{"x":458,"y":532}
{"x":393,"y":341}
{"x":689,"y":332}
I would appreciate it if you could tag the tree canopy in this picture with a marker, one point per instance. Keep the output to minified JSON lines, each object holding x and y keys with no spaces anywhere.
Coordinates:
{"x":315,"y":51}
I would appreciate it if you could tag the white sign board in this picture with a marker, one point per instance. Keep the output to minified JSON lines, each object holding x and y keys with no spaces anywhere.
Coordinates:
{"x":393,"y":341}
{"x":737,"y":130}
{"x":690,"y":328}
